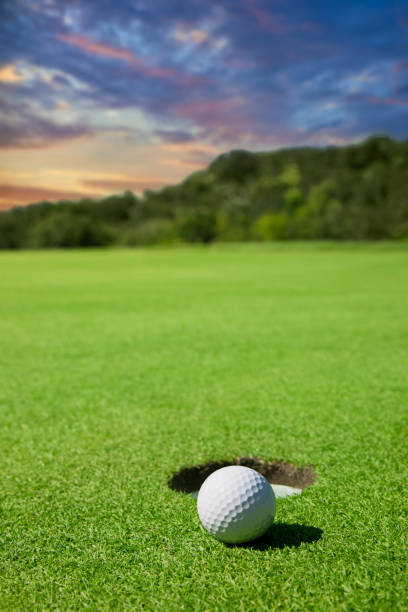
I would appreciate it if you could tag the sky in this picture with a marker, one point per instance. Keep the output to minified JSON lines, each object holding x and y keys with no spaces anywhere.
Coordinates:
{"x":100,"y":96}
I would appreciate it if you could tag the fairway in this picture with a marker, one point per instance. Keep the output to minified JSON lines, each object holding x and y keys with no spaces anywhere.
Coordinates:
{"x":119,"y":367}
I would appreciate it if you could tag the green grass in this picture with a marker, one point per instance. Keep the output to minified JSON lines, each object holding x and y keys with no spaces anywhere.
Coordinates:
{"x":119,"y":367}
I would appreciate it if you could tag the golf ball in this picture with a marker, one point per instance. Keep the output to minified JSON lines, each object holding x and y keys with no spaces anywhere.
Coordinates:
{"x":236,"y":504}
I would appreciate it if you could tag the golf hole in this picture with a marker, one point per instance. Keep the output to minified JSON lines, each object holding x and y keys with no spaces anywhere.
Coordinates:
{"x":285,"y":477}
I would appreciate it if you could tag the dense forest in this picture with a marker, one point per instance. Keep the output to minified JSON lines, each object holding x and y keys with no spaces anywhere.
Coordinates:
{"x":357,"y":192}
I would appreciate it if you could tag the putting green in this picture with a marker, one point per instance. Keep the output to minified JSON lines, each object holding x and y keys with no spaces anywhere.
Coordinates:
{"x":119,"y":367}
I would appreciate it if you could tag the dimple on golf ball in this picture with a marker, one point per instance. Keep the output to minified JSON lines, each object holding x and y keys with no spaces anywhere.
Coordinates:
{"x":236,"y":504}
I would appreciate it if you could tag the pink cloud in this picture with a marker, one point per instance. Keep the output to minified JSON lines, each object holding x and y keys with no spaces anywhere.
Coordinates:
{"x":391,"y":101}
{"x":123,"y":184}
{"x":93,"y":47}
{"x":204,"y":107}
{"x":189,"y":158}
{"x":396,"y":101}
{"x":224,"y":118}
{"x":276,"y":23}
{"x":12,"y":195}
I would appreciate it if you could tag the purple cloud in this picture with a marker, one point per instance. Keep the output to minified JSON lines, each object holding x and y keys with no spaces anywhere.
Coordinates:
{"x":174,"y":136}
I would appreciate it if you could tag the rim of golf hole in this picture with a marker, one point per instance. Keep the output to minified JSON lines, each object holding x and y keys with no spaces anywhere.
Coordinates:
{"x":285,"y":477}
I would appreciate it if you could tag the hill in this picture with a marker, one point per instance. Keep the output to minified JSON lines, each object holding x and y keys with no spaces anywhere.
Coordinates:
{"x":356,"y":192}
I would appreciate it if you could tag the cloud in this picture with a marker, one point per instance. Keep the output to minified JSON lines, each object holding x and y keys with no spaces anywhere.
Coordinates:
{"x":197,"y":158}
{"x":220,"y":118}
{"x":362,"y":98}
{"x":22,"y":127}
{"x":123,"y":184}
{"x":34,"y":132}
{"x":191,"y":36}
{"x":273,"y":23}
{"x":186,"y":74}
{"x":11,"y":74}
{"x":174,"y":135}
{"x":19,"y":195}
{"x":91,"y":46}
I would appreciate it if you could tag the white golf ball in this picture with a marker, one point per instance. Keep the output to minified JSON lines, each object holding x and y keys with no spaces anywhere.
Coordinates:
{"x":236,"y":504}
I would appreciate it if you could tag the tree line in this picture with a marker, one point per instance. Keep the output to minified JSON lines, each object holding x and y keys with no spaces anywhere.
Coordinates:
{"x":356,"y":192}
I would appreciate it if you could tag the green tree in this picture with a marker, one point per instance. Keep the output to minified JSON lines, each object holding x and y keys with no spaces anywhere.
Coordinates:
{"x":199,"y":226}
{"x":67,"y":230}
{"x":151,"y":231}
{"x":290,"y":175}
{"x":271,"y":227}
{"x":355,"y":192}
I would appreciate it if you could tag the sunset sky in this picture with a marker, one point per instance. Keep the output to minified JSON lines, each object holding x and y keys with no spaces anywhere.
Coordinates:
{"x":101,"y":96}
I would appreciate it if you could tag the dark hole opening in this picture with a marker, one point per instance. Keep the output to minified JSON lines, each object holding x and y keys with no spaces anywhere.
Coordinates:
{"x":190,"y":478}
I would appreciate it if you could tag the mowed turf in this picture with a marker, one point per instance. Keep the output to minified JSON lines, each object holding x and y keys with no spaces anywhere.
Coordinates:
{"x":119,"y":367}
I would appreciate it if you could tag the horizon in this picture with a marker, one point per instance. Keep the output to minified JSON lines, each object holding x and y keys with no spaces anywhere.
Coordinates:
{"x":94,"y":104}
{"x":204,"y":169}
